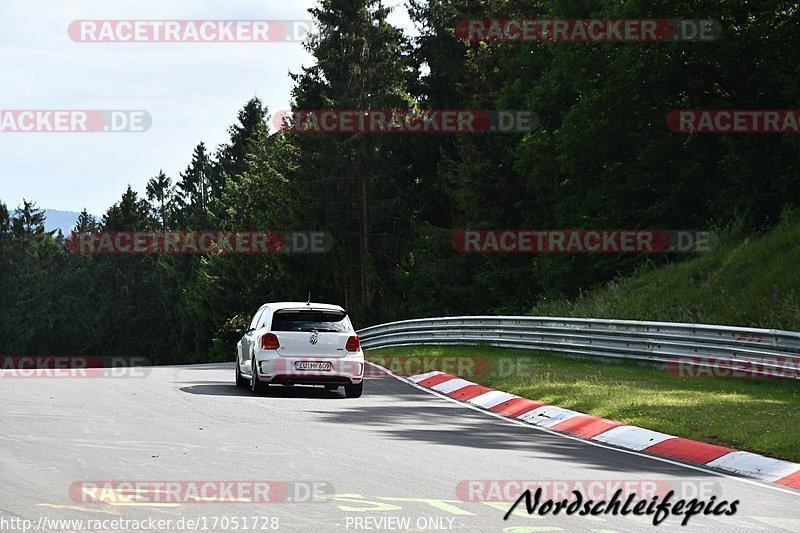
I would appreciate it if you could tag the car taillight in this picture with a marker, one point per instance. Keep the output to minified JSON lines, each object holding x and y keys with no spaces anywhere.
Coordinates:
{"x":352,"y":344}
{"x":269,"y":342}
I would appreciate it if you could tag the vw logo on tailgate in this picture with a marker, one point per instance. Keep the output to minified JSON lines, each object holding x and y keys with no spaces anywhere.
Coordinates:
{"x":314,"y":337}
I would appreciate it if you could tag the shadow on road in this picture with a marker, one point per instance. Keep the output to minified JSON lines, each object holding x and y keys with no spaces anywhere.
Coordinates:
{"x":403,"y":413}
{"x":216,"y":388}
{"x":227,"y":388}
{"x":424,"y":418}
{"x":221,"y":388}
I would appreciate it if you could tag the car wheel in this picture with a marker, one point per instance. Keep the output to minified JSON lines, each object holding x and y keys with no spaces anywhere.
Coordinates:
{"x":331,"y":387}
{"x":353,"y":391}
{"x":241,"y":381}
{"x":256,"y":385}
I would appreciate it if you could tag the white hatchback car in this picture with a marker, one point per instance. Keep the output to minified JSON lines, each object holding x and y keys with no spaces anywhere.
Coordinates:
{"x":295,"y":343}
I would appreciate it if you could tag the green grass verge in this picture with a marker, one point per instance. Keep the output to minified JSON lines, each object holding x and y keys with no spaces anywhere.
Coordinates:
{"x":752,"y":282}
{"x":751,"y":415}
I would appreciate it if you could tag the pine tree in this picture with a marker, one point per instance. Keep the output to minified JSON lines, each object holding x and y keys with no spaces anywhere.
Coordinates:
{"x":351,"y":183}
{"x":232,"y":156}
{"x":130,"y":213}
{"x":160,"y":193}
{"x":193,"y":190}
{"x":85,"y":222}
{"x":28,"y":222}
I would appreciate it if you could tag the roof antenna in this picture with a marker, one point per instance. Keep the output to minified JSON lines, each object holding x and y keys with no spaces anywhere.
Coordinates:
{"x":308,"y":303}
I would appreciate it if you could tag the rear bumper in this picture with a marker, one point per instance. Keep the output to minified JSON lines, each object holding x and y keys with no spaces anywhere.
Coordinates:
{"x":295,"y":379}
{"x":348,"y":370}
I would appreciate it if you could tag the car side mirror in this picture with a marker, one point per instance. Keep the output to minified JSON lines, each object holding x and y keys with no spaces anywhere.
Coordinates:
{"x":234,"y":334}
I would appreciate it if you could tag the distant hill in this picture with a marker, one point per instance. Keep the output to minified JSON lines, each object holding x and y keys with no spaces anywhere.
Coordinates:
{"x":63,"y":220}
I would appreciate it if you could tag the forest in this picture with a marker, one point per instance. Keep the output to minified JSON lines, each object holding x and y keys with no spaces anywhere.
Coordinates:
{"x":601,"y":156}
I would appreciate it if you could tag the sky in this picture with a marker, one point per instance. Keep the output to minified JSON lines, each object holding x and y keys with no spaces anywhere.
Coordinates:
{"x":192,"y":91}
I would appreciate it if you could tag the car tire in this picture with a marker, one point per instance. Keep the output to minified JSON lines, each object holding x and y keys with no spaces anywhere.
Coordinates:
{"x":256,"y":385}
{"x":353,"y":391}
{"x":241,"y":381}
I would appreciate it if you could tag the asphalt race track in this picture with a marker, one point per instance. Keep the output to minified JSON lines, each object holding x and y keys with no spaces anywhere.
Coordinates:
{"x":391,"y":460}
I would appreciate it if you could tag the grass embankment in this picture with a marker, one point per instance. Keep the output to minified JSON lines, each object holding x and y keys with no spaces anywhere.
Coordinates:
{"x":752,"y":282}
{"x":756,"y":416}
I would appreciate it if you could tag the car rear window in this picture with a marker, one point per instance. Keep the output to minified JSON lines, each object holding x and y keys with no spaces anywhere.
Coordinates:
{"x":302,"y":320}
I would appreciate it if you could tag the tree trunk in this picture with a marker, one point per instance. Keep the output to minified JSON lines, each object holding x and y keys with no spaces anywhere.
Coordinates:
{"x":366,"y":297}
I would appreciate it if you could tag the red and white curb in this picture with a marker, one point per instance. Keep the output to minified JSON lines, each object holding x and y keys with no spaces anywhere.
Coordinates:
{"x":610,"y":432}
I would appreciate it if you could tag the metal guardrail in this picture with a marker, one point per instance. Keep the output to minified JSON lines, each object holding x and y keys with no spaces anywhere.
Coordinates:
{"x":750,"y":351}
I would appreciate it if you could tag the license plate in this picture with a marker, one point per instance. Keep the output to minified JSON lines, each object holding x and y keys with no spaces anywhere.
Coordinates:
{"x":312,"y":365}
